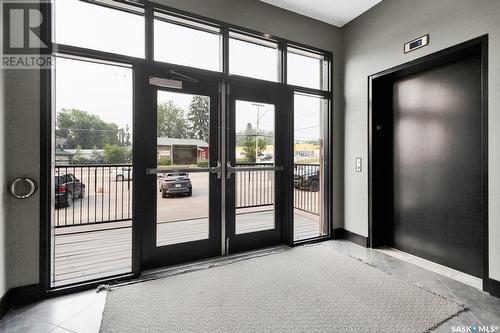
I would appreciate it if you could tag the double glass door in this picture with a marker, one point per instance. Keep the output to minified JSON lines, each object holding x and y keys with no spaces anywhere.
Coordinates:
{"x":210,"y":167}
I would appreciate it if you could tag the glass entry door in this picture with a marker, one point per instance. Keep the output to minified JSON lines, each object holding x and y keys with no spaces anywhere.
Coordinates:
{"x":209,"y":163}
{"x":180,"y":174}
{"x":255,"y":174}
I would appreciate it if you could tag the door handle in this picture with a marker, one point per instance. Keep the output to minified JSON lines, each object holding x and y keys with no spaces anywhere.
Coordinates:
{"x":231,"y":169}
{"x":216,"y":169}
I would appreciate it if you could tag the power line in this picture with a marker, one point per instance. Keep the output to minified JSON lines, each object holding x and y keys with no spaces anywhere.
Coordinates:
{"x":88,"y":130}
{"x":305,"y":128}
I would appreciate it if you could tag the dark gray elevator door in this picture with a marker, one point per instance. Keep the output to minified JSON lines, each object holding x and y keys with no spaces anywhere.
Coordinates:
{"x":437,"y":165}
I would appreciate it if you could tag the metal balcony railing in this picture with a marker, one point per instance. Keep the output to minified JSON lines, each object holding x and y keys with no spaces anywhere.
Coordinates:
{"x":92,"y":194}
{"x":107,"y":194}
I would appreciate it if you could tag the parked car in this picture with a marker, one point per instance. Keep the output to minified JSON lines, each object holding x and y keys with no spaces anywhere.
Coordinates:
{"x":306,"y":179}
{"x":267,"y":157}
{"x":121,"y":173}
{"x":68,"y":187}
{"x":175,"y":183}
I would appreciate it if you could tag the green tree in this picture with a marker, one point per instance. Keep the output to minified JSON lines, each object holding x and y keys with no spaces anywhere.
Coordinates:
{"x":249,"y":143}
{"x":85,"y":129}
{"x":78,"y":157}
{"x":95,"y":157}
{"x":199,"y":118}
{"x":114,"y":154}
{"x":171,"y":122}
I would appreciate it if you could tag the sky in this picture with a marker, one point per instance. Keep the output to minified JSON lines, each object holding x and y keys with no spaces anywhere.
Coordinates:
{"x":103,"y":90}
{"x":107,"y":91}
{"x":248,"y":112}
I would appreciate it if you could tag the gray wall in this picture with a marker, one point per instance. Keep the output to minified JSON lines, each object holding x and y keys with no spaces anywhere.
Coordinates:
{"x":19,"y":156}
{"x":22,"y":158}
{"x":23,"y":112}
{"x":374,"y":42}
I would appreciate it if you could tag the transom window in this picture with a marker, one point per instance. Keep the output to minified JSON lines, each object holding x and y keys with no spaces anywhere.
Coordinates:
{"x":188,"y":43}
{"x":119,"y":27}
{"x":307,"y":69}
{"x":102,"y":25}
{"x":253,"y":57}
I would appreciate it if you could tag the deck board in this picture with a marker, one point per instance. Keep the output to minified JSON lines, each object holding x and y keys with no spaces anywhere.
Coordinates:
{"x":96,"y":253}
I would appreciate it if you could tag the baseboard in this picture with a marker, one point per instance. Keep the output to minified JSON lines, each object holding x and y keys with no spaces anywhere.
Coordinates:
{"x":341,"y":233}
{"x":17,"y":297}
{"x":338,"y":233}
{"x":5,"y":304}
{"x":494,"y":288}
{"x":357,"y":239}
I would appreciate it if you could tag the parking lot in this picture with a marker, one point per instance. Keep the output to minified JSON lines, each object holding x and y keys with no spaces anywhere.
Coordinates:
{"x":107,"y":199}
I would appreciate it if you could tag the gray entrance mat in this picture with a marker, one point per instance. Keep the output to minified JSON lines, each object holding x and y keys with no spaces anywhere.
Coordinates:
{"x":305,"y":289}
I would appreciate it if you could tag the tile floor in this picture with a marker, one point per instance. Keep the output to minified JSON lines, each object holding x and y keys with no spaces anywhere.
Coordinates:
{"x":437,"y":268}
{"x":82,"y":312}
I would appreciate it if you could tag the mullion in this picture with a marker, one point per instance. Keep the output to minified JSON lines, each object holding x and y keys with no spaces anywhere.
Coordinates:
{"x":185,"y":25}
{"x":225,"y":29}
{"x":117,"y":7}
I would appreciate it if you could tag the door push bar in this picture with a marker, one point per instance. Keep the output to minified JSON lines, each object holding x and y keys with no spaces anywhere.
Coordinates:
{"x":231,"y":169}
{"x":216,"y":169}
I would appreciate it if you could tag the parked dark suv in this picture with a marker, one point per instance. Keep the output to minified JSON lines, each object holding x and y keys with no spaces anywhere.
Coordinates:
{"x":306,"y":178}
{"x":68,"y":187}
{"x":176,"y":183}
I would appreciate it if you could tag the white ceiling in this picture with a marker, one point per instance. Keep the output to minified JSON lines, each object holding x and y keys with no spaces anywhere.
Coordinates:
{"x":336,"y":12}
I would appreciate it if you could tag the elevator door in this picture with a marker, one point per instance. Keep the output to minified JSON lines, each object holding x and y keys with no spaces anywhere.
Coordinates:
{"x":437,"y":165}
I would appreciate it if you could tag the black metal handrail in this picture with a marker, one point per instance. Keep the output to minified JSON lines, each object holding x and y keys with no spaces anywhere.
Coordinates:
{"x":307,"y":185}
{"x":107,"y":193}
{"x":254,"y":188}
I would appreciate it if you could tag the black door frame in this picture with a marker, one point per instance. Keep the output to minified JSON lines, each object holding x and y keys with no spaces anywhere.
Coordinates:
{"x":152,"y":255}
{"x":145,"y":104}
{"x":375,"y":226}
{"x":263,"y":93}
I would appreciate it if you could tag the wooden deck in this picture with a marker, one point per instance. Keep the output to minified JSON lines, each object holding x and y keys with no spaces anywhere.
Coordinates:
{"x":91,"y":252}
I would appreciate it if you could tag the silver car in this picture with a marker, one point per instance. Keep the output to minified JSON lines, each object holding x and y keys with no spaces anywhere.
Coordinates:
{"x":121,"y":173}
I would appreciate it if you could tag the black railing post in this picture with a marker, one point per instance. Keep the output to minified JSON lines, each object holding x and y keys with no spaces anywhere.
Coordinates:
{"x":253,"y":189}
{"x":100,"y":209}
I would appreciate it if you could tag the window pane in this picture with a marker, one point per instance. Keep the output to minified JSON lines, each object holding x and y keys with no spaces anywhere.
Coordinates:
{"x":81,"y":24}
{"x":255,"y":210}
{"x":93,"y":171}
{"x":253,"y":57}
{"x":183,"y":199}
{"x":195,"y":47}
{"x":310,"y":118}
{"x":307,"y":69}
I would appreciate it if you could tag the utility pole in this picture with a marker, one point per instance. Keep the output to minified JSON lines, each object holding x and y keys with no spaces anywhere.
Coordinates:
{"x":259,"y":116}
